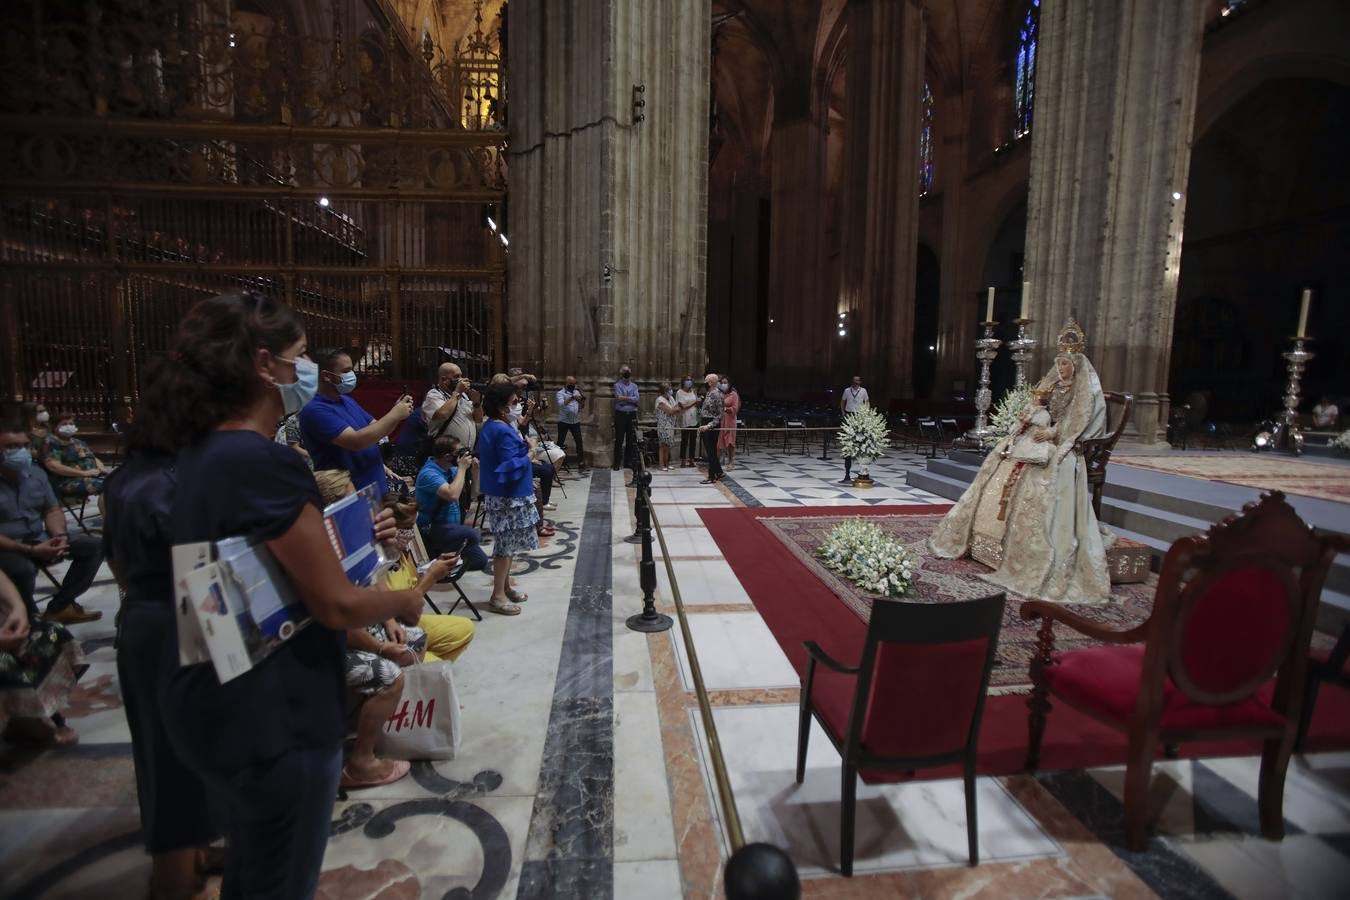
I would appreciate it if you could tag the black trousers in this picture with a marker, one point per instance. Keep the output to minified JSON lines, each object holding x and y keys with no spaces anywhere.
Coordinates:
{"x":710,"y":452}
{"x":574,"y":429}
{"x":625,"y":442}
{"x":689,"y":444}
{"x":85,"y":554}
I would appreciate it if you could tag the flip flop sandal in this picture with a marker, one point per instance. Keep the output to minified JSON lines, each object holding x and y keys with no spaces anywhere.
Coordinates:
{"x":401,"y":767}
{"x":503,"y":608}
{"x":547,"y":531}
{"x":516,"y":596}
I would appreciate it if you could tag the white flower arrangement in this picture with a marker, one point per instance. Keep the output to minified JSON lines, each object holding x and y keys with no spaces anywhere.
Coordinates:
{"x":864,"y":433}
{"x":1341,"y":441}
{"x":864,"y":554}
{"x":1010,"y":409}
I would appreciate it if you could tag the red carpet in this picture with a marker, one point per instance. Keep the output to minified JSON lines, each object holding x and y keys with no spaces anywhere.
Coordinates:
{"x":797,"y":606}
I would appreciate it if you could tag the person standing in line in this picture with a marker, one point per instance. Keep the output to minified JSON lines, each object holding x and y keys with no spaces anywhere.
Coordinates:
{"x":687,"y":421}
{"x":713,"y":407}
{"x":269,"y":741}
{"x":570,"y":400}
{"x":854,"y":396}
{"x":625,"y":417}
{"x":339,"y":434}
{"x":726,"y":439}
{"x":507,"y":477}
{"x":666,"y":411}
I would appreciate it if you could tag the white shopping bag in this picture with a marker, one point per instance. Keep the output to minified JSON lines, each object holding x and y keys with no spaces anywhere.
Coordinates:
{"x":425,"y":724}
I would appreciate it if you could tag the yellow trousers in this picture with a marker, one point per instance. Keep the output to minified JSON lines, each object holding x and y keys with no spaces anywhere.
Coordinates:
{"x":447,"y":636}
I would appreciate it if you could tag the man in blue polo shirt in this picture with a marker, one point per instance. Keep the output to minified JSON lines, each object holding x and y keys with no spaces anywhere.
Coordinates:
{"x":439,"y":485}
{"x":338,"y":433}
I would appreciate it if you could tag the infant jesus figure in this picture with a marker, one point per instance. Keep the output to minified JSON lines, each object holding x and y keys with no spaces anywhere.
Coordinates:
{"x":1024,"y":447}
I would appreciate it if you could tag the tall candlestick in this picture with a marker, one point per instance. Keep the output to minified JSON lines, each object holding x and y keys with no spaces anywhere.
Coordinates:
{"x":1303,"y":313}
{"x":989,"y":306}
{"x":1026,"y":299}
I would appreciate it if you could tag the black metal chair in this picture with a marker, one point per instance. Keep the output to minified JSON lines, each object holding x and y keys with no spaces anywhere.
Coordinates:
{"x":914,"y":700}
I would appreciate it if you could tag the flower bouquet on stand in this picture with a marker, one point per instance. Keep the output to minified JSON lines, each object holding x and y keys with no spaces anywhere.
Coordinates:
{"x":1341,"y":442}
{"x":865,"y":555}
{"x":864,"y":437}
{"x":1010,"y":409}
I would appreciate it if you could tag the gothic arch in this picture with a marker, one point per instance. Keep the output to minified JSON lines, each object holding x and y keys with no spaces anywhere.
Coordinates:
{"x":1233,"y":90}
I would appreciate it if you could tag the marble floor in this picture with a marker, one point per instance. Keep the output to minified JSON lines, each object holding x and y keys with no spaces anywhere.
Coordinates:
{"x":585,"y":770}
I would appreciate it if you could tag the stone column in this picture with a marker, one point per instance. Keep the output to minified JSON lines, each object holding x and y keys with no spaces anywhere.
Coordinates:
{"x":607,"y":215}
{"x":1111,"y":145}
{"x":957,"y":314}
{"x":881,"y":186}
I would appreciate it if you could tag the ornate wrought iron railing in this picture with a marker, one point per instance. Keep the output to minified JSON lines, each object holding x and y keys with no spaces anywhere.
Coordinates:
{"x":153,"y":152}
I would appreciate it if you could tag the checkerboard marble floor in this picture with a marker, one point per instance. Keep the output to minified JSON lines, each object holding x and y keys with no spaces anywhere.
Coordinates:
{"x":773,"y":478}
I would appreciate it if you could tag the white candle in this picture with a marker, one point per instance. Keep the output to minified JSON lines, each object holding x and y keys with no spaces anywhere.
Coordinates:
{"x":1303,"y":313}
{"x":989,"y":306}
{"x":1026,"y":298}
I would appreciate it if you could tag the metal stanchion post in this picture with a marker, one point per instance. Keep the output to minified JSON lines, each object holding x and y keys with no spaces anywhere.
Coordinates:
{"x":649,"y":620}
{"x":760,"y":871}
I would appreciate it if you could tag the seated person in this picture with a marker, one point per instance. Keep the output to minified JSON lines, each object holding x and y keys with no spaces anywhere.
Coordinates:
{"x":33,"y":533}
{"x":1025,"y":447}
{"x":376,"y":657}
{"x":439,"y":484}
{"x":36,"y":420}
{"x":446,"y":636}
{"x":39,"y":664}
{"x":74,"y":469}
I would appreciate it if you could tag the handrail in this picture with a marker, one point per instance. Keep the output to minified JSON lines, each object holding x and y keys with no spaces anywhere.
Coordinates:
{"x":735,"y":834}
{"x":733,"y":818}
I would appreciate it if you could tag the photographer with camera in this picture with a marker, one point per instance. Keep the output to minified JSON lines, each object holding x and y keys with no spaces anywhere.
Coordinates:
{"x":339,"y":434}
{"x":570,"y":400}
{"x":453,"y":407}
{"x":440,"y":482}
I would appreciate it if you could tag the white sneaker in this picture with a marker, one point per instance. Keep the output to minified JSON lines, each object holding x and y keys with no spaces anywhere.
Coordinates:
{"x":550,"y":507}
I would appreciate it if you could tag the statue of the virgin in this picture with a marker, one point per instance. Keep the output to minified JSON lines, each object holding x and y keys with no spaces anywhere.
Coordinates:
{"x":1033,"y":523}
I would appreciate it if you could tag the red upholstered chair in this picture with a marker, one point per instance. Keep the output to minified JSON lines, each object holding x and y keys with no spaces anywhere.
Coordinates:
{"x":1328,"y":667}
{"x":913,"y":701}
{"x":1233,"y":607}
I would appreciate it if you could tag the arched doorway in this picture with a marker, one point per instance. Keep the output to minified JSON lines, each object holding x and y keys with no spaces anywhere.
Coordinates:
{"x":1267,"y":215}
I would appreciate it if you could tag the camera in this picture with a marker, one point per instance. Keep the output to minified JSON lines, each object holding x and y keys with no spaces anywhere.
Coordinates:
{"x":463,"y":452}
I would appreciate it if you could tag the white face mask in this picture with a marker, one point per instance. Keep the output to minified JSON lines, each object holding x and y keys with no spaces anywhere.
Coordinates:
{"x":67,"y":431}
{"x":44,"y":417}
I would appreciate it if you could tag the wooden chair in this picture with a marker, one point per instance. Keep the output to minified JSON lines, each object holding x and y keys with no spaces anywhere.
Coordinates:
{"x":1233,"y":607}
{"x":1096,"y":452}
{"x":914,"y":699}
{"x":1328,"y":667}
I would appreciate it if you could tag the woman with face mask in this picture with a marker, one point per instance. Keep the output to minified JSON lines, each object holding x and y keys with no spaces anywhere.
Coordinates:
{"x":726,"y":437}
{"x":76,"y":472}
{"x":666,"y":411}
{"x":269,"y":742}
{"x":687,"y":402}
{"x":35,"y":418}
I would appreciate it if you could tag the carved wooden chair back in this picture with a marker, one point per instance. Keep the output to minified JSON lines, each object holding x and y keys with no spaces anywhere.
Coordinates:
{"x":1097,"y":451}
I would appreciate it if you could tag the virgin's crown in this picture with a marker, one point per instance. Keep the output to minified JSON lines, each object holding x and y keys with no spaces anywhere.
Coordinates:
{"x":1071,"y":338}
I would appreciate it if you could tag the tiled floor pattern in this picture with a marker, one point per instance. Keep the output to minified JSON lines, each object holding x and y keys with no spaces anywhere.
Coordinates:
{"x":68,"y":820}
{"x":1052,"y":835}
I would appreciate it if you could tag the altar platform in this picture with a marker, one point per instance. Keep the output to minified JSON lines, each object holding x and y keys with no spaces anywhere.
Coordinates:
{"x":1148,"y":500}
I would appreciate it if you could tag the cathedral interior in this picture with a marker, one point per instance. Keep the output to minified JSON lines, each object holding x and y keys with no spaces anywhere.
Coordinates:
{"x":941,"y":198}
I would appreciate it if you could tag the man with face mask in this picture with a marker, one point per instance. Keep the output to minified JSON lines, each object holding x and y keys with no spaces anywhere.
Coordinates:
{"x":33,"y":533}
{"x":853,"y":398}
{"x":338,"y":433}
{"x":570,"y":400}
{"x":625,"y":416}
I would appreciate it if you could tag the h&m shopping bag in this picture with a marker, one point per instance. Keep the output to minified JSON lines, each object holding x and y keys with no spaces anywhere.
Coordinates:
{"x":425,"y":724}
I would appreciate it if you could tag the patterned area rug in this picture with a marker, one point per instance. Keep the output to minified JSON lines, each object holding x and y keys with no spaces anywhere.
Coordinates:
{"x":946,"y":580}
{"x":1325,"y":481}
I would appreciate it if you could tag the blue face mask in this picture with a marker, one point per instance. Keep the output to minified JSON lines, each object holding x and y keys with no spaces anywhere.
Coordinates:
{"x":346,"y":383}
{"x":295,"y":395}
{"x":18,"y":457}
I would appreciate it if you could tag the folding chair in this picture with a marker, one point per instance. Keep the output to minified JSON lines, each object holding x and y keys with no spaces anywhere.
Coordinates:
{"x":420,"y":556}
{"x":68,"y":504}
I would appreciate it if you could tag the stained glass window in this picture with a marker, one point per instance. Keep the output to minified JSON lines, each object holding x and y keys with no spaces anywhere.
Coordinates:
{"x":1025,"y":85}
{"x":926,"y":143}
